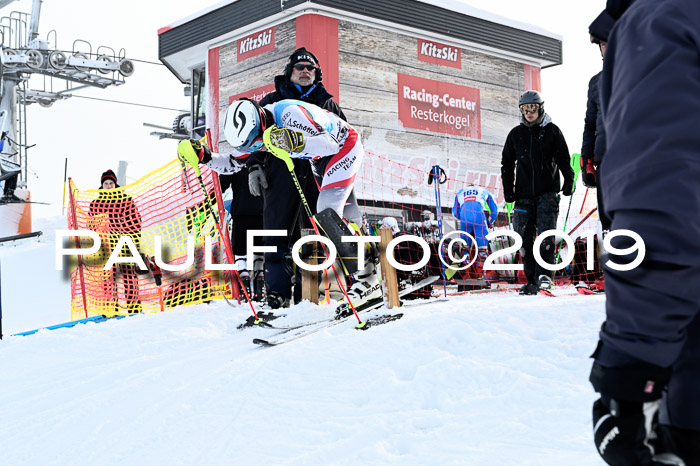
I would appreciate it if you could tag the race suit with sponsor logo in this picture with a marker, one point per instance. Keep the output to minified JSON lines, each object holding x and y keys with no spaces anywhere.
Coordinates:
{"x":332,"y":146}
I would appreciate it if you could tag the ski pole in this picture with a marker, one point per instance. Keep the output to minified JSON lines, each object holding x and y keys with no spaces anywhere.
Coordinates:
{"x":593,"y":210}
{"x":216,"y":218}
{"x":438,"y":175}
{"x":186,"y":152}
{"x":284,"y":156}
{"x":157,"y":276}
{"x":222,"y":214}
{"x":509,"y":209}
{"x":65,"y":174}
{"x":575,"y":165}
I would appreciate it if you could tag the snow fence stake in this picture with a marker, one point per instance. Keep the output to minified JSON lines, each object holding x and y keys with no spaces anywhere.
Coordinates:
{"x":309,"y":279}
{"x":77,"y":242}
{"x":438,"y":175}
{"x":391,"y":283}
{"x":65,"y":174}
{"x":576,"y":167}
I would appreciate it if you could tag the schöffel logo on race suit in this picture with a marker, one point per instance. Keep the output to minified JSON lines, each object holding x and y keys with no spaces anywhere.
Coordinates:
{"x":302,"y":127}
{"x":439,"y":54}
{"x":256,"y":43}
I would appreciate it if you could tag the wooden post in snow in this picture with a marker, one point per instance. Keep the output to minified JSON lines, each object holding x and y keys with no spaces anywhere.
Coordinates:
{"x":391,"y":283}
{"x":309,"y":280}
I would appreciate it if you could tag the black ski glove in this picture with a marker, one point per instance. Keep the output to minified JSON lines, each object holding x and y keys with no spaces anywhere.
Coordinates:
{"x":146,"y":261}
{"x":626,"y":415}
{"x":568,"y":188}
{"x":201,"y":150}
{"x":509,"y":197}
{"x":588,"y":172}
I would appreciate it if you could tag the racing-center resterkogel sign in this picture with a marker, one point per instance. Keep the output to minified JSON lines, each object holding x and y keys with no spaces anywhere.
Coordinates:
{"x":439,"y":107}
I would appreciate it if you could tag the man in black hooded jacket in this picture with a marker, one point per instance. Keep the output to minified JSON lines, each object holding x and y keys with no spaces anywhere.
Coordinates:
{"x":301,"y":80}
{"x":647,"y":363}
{"x":593,"y":146}
{"x":533,"y":155}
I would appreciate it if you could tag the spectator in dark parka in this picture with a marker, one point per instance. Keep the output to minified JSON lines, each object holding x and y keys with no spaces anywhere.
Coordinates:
{"x":647,"y":363}
{"x":534,"y":154}
{"x":301,"y":80}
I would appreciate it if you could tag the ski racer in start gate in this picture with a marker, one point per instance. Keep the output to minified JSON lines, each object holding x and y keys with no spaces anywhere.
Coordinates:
{"x":469,"y":209}
{"x":296,"y":129}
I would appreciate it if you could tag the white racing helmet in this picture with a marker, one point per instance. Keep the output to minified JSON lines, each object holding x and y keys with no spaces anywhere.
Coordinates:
{"x":244,"y":125}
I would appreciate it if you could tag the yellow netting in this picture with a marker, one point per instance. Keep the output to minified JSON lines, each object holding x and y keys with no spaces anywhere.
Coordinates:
{"x":169,"y":203}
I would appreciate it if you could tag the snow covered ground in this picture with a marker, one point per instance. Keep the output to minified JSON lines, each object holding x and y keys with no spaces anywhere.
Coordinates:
{"x":489,"y":379}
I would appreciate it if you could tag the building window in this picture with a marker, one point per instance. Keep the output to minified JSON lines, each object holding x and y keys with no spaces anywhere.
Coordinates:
{"x":199,"y":102}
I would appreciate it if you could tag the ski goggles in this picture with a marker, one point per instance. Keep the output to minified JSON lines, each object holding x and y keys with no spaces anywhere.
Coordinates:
{"x":529,"y":108}
{"x":300,"y":67}
{"x":255,"y":146}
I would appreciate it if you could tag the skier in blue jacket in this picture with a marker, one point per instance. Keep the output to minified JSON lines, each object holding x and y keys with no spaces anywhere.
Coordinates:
{"x":469,"y":209}
{"x":647,"y":363}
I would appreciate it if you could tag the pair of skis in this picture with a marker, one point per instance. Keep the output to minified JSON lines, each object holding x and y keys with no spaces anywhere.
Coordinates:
{"x":579,"y":289}
{"x":294,"y":332}
{"x":21,"y":201}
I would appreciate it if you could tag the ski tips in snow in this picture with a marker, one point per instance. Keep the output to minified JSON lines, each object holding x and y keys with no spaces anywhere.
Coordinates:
{"x":261,"y":342}
{"x":261,"y":321}
{"x":298,"y":331}
{"x":21,"y":201}
{"x":588,"y":291}
{"x":379,"y":320}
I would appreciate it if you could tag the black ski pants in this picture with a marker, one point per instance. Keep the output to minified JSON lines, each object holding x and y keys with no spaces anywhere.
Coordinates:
{"x":532,"y":217}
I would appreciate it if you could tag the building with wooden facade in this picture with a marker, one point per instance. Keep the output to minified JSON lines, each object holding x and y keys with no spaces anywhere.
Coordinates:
{"x":424,"y":82}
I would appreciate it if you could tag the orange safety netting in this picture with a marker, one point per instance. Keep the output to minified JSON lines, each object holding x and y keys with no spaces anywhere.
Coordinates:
{"x":169,"y":203}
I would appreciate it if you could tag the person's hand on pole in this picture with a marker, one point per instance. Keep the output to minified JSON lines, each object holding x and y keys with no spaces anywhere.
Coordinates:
{"x":192,"y":152}
{"x":281,"y":141}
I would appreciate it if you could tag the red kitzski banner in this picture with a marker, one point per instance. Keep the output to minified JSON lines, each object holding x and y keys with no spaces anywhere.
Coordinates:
{"x":440,"y":54}
{"x":256,"y":43}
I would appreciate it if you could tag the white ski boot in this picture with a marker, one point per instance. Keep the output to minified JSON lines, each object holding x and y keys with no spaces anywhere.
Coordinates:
{"x":366,"y":287}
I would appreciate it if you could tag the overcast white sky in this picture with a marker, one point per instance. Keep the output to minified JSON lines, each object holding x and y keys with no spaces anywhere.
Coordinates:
{"x":95,"y":135}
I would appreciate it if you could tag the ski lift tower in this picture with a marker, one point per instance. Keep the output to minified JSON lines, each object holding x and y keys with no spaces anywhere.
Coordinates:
{"x":54,"y":73}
